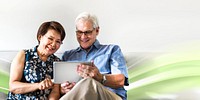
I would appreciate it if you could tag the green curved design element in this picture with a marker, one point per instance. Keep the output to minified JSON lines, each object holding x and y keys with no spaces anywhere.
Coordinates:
{"x":4,"y":76}
{"x":164,"y":74}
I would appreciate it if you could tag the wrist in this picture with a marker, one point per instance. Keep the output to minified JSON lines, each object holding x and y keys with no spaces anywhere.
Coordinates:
{"x":38,"y":86}
{"x":104,"y":79}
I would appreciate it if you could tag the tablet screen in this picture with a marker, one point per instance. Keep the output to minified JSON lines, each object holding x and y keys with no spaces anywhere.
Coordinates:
{"x":66,"y":71}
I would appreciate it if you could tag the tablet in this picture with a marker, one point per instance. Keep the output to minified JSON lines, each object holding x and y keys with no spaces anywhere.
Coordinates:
{"x":66,"y":71}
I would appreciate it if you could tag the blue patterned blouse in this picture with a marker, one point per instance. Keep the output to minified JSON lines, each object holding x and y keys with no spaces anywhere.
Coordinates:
{"x":35,"y":71}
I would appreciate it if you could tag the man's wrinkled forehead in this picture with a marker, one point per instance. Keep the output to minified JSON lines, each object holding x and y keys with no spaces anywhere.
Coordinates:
{"x":84,"y":24}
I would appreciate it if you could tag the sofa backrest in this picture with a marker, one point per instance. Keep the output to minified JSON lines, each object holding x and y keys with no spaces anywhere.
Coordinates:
{"x":5,"y":65}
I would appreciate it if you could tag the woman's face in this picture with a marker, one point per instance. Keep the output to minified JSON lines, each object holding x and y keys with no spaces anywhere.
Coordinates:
{"x":50,"y":42}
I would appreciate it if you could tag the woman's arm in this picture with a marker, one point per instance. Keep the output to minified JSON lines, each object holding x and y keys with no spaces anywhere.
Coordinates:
{"x":16,"y":73}
{"x":55,"y":93}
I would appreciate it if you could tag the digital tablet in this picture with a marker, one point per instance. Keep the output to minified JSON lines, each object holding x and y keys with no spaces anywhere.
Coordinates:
{"x":66,"y":71}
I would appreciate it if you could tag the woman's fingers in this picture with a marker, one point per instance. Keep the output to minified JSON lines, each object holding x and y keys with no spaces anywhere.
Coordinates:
{"x":67,"y":86}
{"x":49,"y":83}
{"x":46,"y":84}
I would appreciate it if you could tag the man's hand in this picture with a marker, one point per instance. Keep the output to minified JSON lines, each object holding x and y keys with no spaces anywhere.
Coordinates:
{"x":66,"y":87}
{"x":89,"y":70}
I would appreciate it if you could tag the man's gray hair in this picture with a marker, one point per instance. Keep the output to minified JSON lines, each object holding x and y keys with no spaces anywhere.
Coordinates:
{"x":85,"y":16}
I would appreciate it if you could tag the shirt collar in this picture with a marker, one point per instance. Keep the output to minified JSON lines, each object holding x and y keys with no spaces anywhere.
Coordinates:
{"x":96,"y":44}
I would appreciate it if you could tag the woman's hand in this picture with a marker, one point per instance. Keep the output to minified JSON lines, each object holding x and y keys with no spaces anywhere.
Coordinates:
{"x":66,"y":87}
{"x":46,"y":84}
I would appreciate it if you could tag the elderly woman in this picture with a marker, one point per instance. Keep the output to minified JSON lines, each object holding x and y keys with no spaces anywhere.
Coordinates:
{"x":32,"y":70}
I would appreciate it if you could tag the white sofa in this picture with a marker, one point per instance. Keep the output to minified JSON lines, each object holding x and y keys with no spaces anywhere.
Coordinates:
{"x":168,"y":76}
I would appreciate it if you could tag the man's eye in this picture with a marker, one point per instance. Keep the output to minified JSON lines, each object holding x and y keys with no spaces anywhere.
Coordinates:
{"x":87,"y":32}
{"x":79,"y":32}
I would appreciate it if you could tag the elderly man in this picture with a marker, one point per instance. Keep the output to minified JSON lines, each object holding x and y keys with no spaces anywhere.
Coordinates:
{"x":105,"y":78}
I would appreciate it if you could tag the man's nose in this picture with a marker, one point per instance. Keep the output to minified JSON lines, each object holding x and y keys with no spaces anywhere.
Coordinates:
{"x":83,"y":35}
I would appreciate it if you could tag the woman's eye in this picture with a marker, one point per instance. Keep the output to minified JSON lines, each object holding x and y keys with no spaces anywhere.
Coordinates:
{"x":58,"y":42}
{"x":50,"y":39}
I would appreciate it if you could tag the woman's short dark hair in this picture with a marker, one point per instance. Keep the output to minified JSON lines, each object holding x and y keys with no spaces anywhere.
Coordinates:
{"x":51,"y":25}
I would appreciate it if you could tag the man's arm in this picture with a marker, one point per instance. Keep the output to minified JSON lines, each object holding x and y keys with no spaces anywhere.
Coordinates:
{"x":112,"y":80}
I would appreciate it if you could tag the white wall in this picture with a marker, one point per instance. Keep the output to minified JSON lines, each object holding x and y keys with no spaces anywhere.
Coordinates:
{"x":135,"y":25}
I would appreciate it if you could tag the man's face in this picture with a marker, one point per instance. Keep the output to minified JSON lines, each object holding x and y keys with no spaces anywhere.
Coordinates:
{"x":86,"y":34}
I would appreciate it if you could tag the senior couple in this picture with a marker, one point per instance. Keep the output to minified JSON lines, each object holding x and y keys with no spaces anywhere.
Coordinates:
{"x":32,"y":69}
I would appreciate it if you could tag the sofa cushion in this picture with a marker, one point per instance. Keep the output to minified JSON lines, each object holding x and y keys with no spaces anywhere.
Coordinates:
{"x":3,"y":96}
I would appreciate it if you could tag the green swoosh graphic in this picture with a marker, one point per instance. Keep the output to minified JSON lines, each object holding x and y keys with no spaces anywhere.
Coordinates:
{"x":164,"y":74}
{"x":4,"y":79}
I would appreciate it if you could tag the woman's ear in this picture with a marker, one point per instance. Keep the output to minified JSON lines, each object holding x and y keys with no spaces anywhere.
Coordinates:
{"x":39,"y":38}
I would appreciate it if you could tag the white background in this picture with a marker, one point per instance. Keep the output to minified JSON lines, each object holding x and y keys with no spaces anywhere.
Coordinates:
{"x":134,"y":25}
